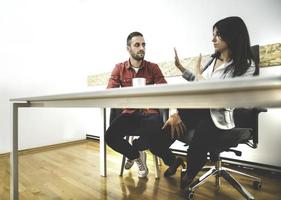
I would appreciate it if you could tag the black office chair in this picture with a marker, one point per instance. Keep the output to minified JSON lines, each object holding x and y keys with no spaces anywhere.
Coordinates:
{"x":246,"y":132}
{"x":115,"y":112}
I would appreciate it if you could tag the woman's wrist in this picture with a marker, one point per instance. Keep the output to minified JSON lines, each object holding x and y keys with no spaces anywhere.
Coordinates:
{"x":188,"y":75}
{"x":182,"y":69}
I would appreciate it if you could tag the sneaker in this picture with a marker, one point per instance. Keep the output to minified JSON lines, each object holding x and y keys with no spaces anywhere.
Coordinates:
{"x":128,"y":164}
{"x":141,"y":162}
{"x":173,"y":167}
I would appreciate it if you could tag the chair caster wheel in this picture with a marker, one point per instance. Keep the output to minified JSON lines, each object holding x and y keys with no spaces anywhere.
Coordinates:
{"x":257,"y":185}
{"x":188,"y":194}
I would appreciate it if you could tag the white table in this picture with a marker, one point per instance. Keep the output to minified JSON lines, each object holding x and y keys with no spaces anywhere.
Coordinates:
{"x":238,"y":92}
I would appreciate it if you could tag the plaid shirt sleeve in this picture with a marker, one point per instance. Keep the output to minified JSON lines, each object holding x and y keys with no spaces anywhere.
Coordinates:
{"x":158,"y":76}
{"x":114,"y":80}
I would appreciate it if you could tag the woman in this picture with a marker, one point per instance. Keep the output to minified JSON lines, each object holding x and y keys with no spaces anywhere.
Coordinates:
{"x":232,"y":58}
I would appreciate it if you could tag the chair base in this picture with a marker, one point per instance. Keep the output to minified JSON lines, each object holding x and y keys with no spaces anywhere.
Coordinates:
{"x":218,"y":171}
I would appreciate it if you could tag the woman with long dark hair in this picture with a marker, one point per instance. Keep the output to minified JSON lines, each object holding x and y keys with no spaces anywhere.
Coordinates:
{"x":232,"y":58}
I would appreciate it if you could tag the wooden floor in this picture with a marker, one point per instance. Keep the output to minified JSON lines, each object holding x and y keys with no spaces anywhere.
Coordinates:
{"x":72,"y":172}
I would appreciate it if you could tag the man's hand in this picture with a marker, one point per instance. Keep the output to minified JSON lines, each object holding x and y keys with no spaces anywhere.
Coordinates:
{"x":176,"y":124}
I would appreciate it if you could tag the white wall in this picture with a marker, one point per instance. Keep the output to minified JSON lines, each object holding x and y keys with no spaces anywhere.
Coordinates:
{"x":49,"y":47}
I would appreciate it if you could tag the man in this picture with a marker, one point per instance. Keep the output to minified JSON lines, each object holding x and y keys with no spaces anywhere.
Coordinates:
{"x":145,"y":123}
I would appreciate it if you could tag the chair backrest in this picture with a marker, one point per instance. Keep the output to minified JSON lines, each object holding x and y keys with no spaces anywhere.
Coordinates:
{"x":256,"y":52}
{"x":256,"y":56}
{"x":249,"y":118}
{"x":245,"y":132}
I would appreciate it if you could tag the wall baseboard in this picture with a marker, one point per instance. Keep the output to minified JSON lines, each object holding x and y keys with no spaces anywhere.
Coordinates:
{"x":45,"y":148}
{"x":252,"y":165}
{"x":4,"y":155}
{"x":93,"y":137}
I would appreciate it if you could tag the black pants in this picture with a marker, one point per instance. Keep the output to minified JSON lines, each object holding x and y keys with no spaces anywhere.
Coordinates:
{"x":148,"y":127}
{"x":206,"y":137}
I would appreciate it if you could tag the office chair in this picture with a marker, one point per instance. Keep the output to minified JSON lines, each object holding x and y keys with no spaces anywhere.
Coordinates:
{"x":114,"y":112}
{"x":246,"y":132}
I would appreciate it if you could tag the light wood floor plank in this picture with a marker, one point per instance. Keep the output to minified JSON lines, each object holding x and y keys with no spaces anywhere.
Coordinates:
{"x":72,"y":172}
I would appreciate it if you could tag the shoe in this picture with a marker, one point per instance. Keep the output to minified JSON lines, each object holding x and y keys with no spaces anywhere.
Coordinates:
{"x":173,"y":168}
{"x":141,"y":162}
{"x":129,"y":164}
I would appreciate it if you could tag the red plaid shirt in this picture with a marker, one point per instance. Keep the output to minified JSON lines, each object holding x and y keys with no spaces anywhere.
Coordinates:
{"x":123,"y":73}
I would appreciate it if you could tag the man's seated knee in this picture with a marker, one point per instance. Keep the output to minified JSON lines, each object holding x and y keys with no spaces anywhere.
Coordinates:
{"x":140,"y":144}
{"x":110,"y":138}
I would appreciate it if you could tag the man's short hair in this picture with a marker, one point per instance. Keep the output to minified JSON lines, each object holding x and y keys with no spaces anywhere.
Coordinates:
{"x":131,"y":35}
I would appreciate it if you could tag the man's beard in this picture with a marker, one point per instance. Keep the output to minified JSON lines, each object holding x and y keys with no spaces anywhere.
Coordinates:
{"x":138,"y":57}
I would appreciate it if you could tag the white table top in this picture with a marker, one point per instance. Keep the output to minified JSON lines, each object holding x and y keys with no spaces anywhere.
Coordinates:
{"x":249,"y":92}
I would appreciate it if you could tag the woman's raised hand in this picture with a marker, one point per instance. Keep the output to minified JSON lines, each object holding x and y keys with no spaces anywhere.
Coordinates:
{"x":177,"y":62}
{"x":198,"y":68}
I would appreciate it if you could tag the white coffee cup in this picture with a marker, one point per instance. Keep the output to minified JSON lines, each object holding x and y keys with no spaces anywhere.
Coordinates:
{"x":139,"y":82}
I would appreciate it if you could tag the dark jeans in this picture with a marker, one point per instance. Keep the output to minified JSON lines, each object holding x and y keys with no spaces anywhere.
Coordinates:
{"x":148,"y":127}
{"x":206,"y":137}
